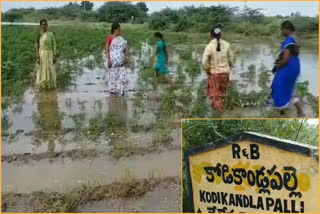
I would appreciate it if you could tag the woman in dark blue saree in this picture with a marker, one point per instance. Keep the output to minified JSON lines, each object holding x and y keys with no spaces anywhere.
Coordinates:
{"x":287,"y":70}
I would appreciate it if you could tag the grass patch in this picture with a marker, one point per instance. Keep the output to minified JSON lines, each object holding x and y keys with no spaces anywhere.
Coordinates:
{"x":161,"y":138}
{"x":121,"y":149}
{"x":161,"y":134}
{"x":54,"y":202}
{"x":111,"y":125}
{"x":200,"y":107}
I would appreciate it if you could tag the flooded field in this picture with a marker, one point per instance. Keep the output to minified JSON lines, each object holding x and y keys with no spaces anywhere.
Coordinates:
{"x":81,"y":135}
{"x":79,"y":140}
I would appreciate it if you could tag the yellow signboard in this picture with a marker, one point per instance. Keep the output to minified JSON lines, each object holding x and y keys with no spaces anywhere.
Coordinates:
{"x":254,"y":173}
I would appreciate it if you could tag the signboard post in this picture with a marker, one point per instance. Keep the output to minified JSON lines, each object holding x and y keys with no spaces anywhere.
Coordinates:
{"x":253,"y":173}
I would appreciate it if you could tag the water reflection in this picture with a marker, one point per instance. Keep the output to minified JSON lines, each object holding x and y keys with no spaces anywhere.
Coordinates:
{"x":48,"y":120}
{"x":118,"y":106}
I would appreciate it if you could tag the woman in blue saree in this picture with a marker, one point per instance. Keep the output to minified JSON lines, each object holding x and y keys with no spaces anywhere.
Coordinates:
{"x":287,"y":70}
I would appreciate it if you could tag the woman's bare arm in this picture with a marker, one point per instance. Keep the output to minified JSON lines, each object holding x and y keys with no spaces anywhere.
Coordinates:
{"x":106,"y":49}
{"x":126,"y":57}
{"x":155,"y":54}
{"x":37,"y":45}
{"x":37,"y":52}
{"x":54,"y":46}
{"x":206,"y":57}
{"x":285,"y":59}
{"x":37,"y":48}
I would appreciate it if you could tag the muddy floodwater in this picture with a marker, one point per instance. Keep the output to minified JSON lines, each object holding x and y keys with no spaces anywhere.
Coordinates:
{"x":50,"y":144}
{"x":263,"y":54}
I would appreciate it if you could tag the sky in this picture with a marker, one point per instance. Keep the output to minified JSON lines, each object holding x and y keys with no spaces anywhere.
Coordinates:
{"x":306,"y":8}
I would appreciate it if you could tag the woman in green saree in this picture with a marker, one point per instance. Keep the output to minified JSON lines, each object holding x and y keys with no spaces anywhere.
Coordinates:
{"x":46,"y":58}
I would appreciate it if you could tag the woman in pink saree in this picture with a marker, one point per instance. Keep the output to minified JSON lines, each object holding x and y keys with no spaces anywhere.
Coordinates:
{"x":116,"y":47}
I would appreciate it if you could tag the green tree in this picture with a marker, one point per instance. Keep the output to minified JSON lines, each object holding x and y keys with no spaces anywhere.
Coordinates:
{"x":86,"y":5}
{"x":252,"y":15}
{"x":70,"y":11}
{"x":15,"y":14}
{"x":198,"y":132}
{"x":158,"y":23}
{"x":11,"y":17}
{"x":201,"y":18}
{"x":119,"y":12}
{"x":142,"y":6}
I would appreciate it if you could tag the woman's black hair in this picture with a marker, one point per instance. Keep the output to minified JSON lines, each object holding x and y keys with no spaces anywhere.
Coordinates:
{"x":43,"y":20}
{"x":114,"y":27}
{"x":288,"y":25}
{"x":160,"y":36}
{"x":216,"y":36}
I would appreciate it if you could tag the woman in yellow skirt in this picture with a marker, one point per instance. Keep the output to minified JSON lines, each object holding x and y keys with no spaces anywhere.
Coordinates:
{"x":46,"y":58}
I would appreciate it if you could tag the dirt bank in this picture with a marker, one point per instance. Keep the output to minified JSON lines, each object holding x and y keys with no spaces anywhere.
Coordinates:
{"x":81,"y":198}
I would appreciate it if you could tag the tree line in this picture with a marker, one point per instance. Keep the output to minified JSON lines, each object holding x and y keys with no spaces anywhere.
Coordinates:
{"x":84,"y":11}
{"x":190,"y":18}
{"x":200,"y":132}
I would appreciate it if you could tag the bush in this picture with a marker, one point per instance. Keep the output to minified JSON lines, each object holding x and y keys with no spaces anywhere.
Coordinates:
{"x":88,"y":16}
{"x":16,"y":14}
{"x":158,"y":23}
{"x":306,"y":24}
{"x":119,"y":12}
{"x":200,"y":19}
{"x":183,"y":24}
{"x":302,"y":89}
{"x":12,"y":16}
{"x":268,"y":29}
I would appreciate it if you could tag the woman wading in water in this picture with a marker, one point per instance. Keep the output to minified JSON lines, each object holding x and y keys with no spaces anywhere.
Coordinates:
{"x":116,"y":47}
{"x":287,"y":70}
{"x":217,"y":61}
{"x":162,"y":59}
{"x":46,"y":58}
